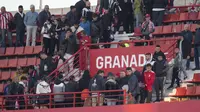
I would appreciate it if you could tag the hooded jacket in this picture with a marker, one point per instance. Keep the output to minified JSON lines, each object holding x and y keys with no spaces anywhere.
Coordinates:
{"x":160,"y":68}
{"x":111,"y":84}
{"x":43,"y":87}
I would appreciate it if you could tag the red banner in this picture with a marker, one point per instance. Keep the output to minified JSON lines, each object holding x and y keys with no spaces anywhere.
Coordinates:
{"x":116,"y":59}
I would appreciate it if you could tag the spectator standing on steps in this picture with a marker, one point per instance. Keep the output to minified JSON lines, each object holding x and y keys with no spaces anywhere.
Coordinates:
{"x":30,"y":21}
{"x":5,"y":18}
{"x":71,"y":15}
{"x":20,"y":26}
{"x":43,"y":16}
{"x":197,"y":47}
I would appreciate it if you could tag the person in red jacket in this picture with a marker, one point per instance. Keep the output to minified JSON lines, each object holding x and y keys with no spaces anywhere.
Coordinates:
{"x":149,"y":77}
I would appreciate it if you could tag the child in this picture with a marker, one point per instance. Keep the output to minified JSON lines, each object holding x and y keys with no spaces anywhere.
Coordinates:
{"x":149,"y":77}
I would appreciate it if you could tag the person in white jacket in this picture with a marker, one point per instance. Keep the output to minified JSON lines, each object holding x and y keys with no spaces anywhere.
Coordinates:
{"x":43,"y":88}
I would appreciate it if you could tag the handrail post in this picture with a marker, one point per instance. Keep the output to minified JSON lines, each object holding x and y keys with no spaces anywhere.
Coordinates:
{"x":26,"y":101}
{"x":50,"y":102}
{"x":124,"y":94}
{"x":74,"y":99}
{"x":98,"y":99}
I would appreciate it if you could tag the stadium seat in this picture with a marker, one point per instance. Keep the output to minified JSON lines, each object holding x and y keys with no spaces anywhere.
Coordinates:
{"x":192,"y":16}
{"x":12,"y":74}
{"x":2,"y":51}
{"x":5,"y":75}
{"x":10,"y":51}
{"x":1,"y":88}
{"x":28,"y":50}
{"x":167,"y":18}
{"x":3,"y":63}
{"x":198,"y":17}
{"x":31,"y":61}
{"x":137,"y":31}
{"x":197,"y":91}
{"x":22,"y":62}
{"x":174,"y":17}
{"x":12,"y":63}
{"x":177,"y":28}
{"x":180,"y":92}
{"x":167,"y":29}
{"x":2,"y":101}
{"x":158,"y":30}
{"x":190,"y":91}
{"x":38,"y":61}
{"x":37,"y":49}
{"x":19,"y":50}
{"x":193,"y":27}
{"x":196,"y":77}
{"x":183,"y":17}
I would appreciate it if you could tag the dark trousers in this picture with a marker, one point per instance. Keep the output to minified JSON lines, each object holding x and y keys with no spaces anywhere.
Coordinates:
{"x":148,"y":96}
{"x":106,"y":38}
{"x":188,"y":64}
{"x":175,"y":77}
{"x":148,"y":9}
{"x":20,"y":32}
{"x":196,"y":56}
{"x":158,"y":84}
{"x":128,"y":24}
{"x":54,"y":43}
{"x":142,"y":95}
{"x":158,"y":17}
{"x":47,"y":45}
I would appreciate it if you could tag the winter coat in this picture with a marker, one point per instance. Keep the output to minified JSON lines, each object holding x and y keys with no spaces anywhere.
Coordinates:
{"x":156,"y":54}
{"x":71,"y":86}
{"x":111,"y":85}
{"x":33,"y":77}
{"x":149,"y":77}
{"x":71,"y":17}
{"x":160,"y":3}
{"x":59,"y":88}
{"x":79,"y":7}
{"x":87,"y":13}
{"x":84,"y":82}
{"x":43,"y":16}
{"x":69,"y":45}
{"x":99,"y":82}
{"x":45,"y":66}
{"x":86,"y":26}
{"x":160,"y":68}
{"x":96,"y":28}
{"x":123,"y":81}
{"x":197,"y":38}
{"x":187,"y":43}
{"x":19,"y":21}
{"x":133,"y":85}
{"x":43,"y":87}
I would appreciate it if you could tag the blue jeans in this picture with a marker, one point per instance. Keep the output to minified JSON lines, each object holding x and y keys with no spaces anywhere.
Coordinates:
{"x":196,"y":56}
{"x":20,"y":37}
{"x":3,"y":37}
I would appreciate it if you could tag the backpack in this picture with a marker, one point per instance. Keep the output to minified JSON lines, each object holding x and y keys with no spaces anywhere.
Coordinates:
{"x":94,"y":86}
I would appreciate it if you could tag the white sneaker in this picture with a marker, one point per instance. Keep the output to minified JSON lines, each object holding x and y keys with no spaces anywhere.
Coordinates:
{"x":116,"y":33}
{"x":124,"y":32}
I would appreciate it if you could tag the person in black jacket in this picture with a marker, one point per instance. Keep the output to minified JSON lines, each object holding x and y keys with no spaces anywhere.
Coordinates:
{"x":111,"y":84}
{"x":159,"y":11}
{"x":158,"y":52}
{"x":44,"y":15}
{"x":71,"y":15}
{"x":45,"y":67}
{"x":160,"y":68}
{"x":197,"y":47}
{"x":148,"y":6}
{"x":186,"y":46}
{"x":79,"y":7}
{"x":84,"y":81}
{"x":33,"y":78}
{"x":69,"y":48}
{"x":20,"y":26}
{"x":97,"y":83}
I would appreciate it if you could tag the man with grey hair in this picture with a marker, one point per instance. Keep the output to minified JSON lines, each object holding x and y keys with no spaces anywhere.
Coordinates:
{"x":30,"y":21}
{"x":5,"y":18}
{"x":44,"y":15}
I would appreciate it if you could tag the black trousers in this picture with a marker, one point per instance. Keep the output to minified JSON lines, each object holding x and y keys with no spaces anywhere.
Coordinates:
{"x":175,"y":77}
{"x":142,"y":95}
{"x":106,"y":38}
{"x":54,"y":43}
{"x":148,"y":96}
{"x":47,"y":45}
{"x":159,"y":84}
{"x":158,"y":17}
{"x":20,"y":32}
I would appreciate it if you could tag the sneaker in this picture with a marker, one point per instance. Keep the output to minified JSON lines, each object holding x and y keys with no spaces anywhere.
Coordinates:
{"x":116,"y":33}
{"x":124,"y":32}
{"x":157,"y":100}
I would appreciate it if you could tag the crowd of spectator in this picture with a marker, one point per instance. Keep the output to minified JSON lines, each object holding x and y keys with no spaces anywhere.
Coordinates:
{"x":62,"y":37}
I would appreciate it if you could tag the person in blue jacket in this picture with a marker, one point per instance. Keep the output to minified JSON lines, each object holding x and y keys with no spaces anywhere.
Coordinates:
{"x":85,"y":24}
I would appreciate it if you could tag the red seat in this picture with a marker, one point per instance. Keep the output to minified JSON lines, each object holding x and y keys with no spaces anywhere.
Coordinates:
{"x":37,"y":49}
{"x":31,"y":61}
{"x":193,"y":27}
{"x":191,"y":91}
{"x":158,"y":30}
{"x":174,"y":17}
{"x":196,"y":77}
{"x":177,"y":28}
{"x":10,"y":51}
{"x":197,"y":91}
{"x":1,"y":88}
{"x":28,"y":50}
{"x":167,"y":18}
{"x":137,"y":31}
{"x":12,"y":74}
{"x":183,"y":16}
{"x":3,"y":63}
{"x":167,"y":29}
{"x":22,"y":62}
{"x":193,"y":15}
{"x":2,"y":51}
{"x":38,"y":61}
{"x":2,"y":101}
{"x":19,"y":50}
{"x":198,"y":17}
{"x":181,"y":91}
{"x":5,"y":75}
{"x":12,"y":63}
